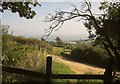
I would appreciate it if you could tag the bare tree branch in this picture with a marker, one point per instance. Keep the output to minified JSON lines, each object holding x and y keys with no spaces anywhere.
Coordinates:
{"x":86,"y":14}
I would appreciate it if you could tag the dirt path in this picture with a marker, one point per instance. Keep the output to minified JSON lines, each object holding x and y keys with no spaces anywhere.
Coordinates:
{"x":78,"y":68}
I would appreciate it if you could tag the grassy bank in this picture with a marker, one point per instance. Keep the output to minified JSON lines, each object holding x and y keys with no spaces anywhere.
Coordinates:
{"x":20,"y":52}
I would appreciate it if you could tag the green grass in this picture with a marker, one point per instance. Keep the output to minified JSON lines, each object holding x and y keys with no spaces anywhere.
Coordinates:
{"x":28,"y":57}
{"x":59,"y":68}
{"x":57,"y":50}
{"x":86,"y":81}
{"x":88,"y":72}
{"x":60,"y":51}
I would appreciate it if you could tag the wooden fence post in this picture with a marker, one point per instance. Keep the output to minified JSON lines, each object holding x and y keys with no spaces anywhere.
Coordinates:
{"x":108,"y":72}
{"x":48,"y":70}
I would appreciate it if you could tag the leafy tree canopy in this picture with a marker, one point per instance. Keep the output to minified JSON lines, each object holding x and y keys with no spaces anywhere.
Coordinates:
{"x":109,"y":29}
{"x":24,"y":9}
{"x":59,"y":41}
{"x":104,"y":27}
{"x":108,"y":21}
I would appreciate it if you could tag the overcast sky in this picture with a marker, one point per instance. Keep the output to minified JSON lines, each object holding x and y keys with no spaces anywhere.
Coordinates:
{"x":71,"y":30}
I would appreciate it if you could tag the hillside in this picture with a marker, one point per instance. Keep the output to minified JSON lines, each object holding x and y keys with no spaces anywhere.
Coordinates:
{"x":21,"y":52}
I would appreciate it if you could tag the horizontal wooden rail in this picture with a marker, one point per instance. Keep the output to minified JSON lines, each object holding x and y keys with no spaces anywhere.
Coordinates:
{"x":106,"y":77}
{"x":77,"y":76}
{"x":54,"y":76}
{"x":23,"y":72}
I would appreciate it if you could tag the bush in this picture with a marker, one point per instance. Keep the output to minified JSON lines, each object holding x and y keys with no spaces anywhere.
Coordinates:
{"x":23,"y":56}
{"x":89,"y":55}
{"x":29,"y":57}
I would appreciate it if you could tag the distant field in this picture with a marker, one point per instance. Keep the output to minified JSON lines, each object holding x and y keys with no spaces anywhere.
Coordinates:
{"x":57,"y":50}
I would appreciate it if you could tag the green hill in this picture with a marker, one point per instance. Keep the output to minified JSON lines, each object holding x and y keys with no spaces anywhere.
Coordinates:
{"x":29,"y":54}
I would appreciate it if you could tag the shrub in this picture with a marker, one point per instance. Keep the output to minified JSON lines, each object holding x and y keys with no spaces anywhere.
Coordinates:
{"x":26,"y":56}
{"x":87,"y":54}
{"x":23,"y":56}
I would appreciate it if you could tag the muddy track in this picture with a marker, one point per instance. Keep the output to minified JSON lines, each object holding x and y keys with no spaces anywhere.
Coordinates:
{"x":78,"y":68}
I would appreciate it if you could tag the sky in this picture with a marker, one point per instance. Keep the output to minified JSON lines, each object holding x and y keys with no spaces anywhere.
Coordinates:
{"x":71,"y":30}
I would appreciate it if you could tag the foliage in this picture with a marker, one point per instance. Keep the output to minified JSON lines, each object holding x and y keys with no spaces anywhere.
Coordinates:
{"x":19,"y":52}
{"x":109,"y":22}
{"x":69,"y":46}
{"x":99,"y":26}
{"x":107,"y":29}
{"x":31,"y":41}
{"x":90,"y":55}
{"x":24,"y":9}
{"x":57,"y":50}
{"x":59,"y":42}
{"x":23,"y":56}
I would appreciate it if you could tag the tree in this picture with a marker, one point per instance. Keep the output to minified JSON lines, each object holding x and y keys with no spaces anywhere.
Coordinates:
{"x":109,"y":28}
{"x":24,"y":9}
{"x":100,"y":27}
{"x":59,"y":41}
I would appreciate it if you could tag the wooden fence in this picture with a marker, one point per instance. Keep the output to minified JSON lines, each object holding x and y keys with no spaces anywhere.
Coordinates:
{"x":48,"y":76}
